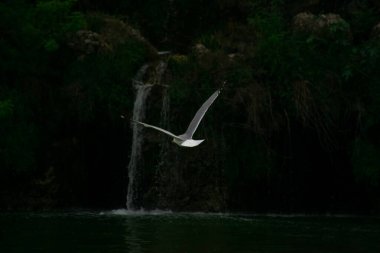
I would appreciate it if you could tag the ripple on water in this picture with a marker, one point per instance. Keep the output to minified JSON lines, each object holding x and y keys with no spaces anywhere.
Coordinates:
{"x":123,"y":231}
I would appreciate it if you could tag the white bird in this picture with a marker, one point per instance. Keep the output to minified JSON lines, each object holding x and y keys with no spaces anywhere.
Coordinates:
{"x":186,"y":139}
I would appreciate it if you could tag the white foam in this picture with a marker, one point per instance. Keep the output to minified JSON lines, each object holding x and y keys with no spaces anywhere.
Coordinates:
{"x":140,"y":212}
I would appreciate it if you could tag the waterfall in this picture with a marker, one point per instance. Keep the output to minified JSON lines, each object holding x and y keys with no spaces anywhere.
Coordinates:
{"x":164,"y":123}
{"x":162,"y":164}
{"x":142,"y":91}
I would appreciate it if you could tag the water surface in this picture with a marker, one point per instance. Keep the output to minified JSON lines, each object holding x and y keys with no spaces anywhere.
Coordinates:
{"x":166,"y":232}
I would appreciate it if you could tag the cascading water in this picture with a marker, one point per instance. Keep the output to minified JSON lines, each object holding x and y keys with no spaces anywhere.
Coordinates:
{"x":143,"y":90}
{"x":164,"y":124}
{"x":161,"y":167}
{"x":164,"y":115}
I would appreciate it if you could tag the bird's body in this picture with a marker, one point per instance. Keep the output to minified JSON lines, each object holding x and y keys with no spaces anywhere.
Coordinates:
{"x":187,"y":142}
{"x":186,"y":139}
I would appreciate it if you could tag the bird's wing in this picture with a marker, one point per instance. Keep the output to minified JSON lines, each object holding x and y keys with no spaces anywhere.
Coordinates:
{"x":200,"y":113}
{"x":157,"y":128}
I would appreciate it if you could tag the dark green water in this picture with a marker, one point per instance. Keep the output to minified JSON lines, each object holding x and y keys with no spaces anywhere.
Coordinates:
{"x":119,"y":231}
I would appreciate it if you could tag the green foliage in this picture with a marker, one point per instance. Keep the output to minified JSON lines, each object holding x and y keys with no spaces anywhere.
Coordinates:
{"x":240,"y":75}
{"x":18,"y":150}
{"x":211,"y":41}
{"x":55,"y":19}
{"x":182,"y":67}
{"x":288,"y":56}
{"x":322,"y":57}
{"x":51,"y":45}
{"x":18,"y":142}
{"x":31,"y":29}
{"x":366,"y":163}
{"x":268,"y":20}
{"x":105,"y":79}
{"x":6,"y":108}
{"x":362,"y":18}
{"x":32,"y":35}
{"x":276,"y":50}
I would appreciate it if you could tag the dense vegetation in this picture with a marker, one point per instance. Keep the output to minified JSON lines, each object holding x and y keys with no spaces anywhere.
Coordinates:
{"x":295,"y":130}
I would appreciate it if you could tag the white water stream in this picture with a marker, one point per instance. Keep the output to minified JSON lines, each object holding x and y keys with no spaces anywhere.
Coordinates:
{"x":142,"y":92}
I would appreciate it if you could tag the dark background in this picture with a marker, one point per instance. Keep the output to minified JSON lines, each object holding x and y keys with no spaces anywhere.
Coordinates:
{"x":295,"y":130}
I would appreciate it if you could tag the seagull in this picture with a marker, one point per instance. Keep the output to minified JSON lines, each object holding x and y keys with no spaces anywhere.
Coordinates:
{"x":186,"y":139}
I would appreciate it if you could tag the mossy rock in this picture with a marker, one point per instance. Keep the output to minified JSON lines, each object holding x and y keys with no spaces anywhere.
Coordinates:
{"x":104,"y":34}
{"x":376,"y":32}
{"x":324,"y":25}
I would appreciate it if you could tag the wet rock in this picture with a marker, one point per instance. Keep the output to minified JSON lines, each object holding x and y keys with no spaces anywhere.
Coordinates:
{"x":376,"y":32}
{"x":322,"y":25}
{"x":178,"y":58}
{"x":87,"y":42}
{"x":234,"y":56}
{"x":200,"y":50}
{"x":110,"y":33}
{"x":303,"y":21}
{"x":116,"y":32}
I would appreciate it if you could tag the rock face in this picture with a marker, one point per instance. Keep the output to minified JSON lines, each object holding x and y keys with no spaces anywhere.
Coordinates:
{"x":87,"y":42}
{"x":376,"y":32}
{"x":116,"y":31}
{"x":324,"y":24}
{"x":110,"y":33}
{"x":200,"y":50}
